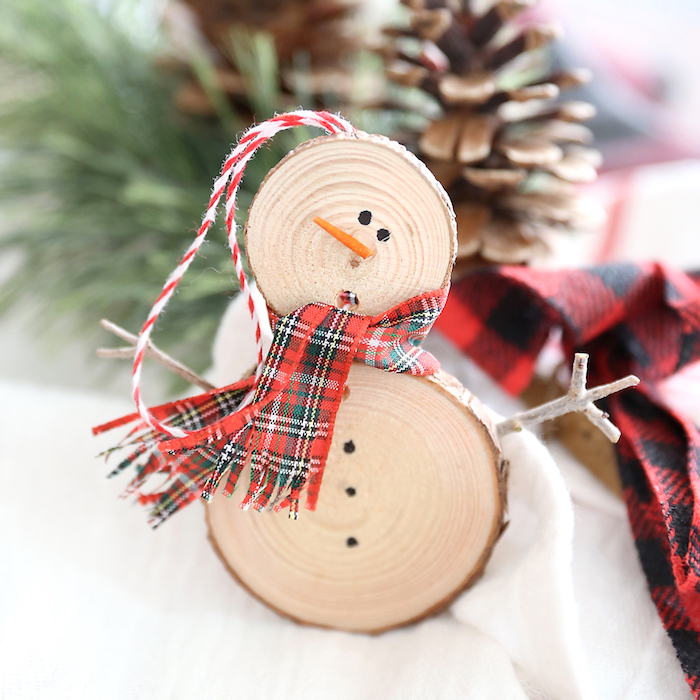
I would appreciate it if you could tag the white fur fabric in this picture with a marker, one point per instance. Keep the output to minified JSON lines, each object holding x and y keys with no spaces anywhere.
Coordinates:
{"x":95,"y":605}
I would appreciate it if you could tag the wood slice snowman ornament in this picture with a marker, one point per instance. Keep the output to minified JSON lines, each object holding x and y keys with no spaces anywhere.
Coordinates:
{"x":411,"y":500}
{"x":351,"y":241}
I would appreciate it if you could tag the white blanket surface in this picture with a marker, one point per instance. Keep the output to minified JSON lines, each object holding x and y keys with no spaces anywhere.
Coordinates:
{"x":95,"y":605}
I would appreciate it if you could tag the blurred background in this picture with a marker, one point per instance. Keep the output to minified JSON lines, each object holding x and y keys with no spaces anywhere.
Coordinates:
{"x":565,"y":131}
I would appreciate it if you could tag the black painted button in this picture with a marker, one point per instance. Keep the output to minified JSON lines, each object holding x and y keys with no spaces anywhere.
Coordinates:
{"x":349,"y":447}
{"x":365,"y":217}
{"x":351,"y":542}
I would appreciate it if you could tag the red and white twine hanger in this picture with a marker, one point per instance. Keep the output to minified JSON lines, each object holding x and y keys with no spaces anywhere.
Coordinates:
{"x":228,"y":181}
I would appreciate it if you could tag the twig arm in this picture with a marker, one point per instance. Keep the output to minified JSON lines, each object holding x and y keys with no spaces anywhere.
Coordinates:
{"x":151,"y":351}
{"x":578,"y":399}
{"x":116,"y":353}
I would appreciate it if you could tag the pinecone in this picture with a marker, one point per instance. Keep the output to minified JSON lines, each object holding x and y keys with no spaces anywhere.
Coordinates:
{"x":506,"y":150}
{"x":315,"y":30}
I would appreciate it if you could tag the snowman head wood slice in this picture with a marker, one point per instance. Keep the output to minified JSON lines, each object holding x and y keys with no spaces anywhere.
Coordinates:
{"x":369,"y":188}
{"x":412,"y":497}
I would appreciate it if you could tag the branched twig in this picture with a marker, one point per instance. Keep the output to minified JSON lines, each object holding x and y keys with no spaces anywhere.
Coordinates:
{"x":578,"y":399}
{"x":152,"y":351}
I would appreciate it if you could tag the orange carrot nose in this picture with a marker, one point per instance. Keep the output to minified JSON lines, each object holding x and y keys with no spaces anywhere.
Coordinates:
{"x":346,"y":239}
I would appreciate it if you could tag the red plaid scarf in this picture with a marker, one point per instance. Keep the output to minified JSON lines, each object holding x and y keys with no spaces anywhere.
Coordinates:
{"x":286,"y":430}
{"x":640,"y":319}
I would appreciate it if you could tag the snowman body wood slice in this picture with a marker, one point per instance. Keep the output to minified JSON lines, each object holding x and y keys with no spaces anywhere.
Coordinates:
{"x":412,"y":496}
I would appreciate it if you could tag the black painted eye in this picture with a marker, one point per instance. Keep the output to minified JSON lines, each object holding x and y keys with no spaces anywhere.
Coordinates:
{"x":365,"y":217}
{"x":383,"y":235}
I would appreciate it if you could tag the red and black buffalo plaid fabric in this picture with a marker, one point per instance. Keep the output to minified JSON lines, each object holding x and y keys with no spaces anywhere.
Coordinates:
{"x":285,"y":432}
{"x":640,"y":319}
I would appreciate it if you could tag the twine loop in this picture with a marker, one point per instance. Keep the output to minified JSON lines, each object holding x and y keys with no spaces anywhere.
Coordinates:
{"x":228,"y":182}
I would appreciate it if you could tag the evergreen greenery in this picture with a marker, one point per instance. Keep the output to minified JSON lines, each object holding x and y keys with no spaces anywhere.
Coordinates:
{"x":103,"y":182}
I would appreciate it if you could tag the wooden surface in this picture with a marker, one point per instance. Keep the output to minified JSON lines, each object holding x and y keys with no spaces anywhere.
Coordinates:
{"x":295,"y":262}
{"x":410,"y":507}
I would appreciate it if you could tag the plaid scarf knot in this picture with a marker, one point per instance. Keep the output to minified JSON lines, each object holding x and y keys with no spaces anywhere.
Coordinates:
{"x":285,"y":432}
